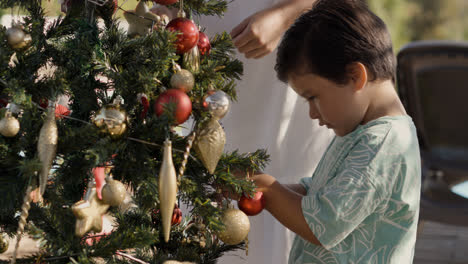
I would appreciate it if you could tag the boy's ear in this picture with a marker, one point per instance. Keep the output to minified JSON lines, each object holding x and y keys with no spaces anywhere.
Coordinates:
{"x":357,"y":73}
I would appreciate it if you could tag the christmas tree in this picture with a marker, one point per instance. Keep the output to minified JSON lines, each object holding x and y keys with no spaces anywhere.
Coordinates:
{"x":93,"y":122}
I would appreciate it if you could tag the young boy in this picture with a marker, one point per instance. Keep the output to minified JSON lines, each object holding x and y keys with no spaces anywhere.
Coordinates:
{"x":361,"y":204}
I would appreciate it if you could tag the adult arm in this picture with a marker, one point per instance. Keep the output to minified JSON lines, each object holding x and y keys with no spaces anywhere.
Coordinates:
{"x":260,"y":33}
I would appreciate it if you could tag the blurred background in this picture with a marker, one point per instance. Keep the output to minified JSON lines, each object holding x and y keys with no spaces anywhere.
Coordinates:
{"x":408,"y":21}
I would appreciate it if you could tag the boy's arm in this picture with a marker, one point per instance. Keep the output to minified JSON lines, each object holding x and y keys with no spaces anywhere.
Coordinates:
{"x":296,"y":188}
{"x":285,"y":205}
{"x":260,"y":33}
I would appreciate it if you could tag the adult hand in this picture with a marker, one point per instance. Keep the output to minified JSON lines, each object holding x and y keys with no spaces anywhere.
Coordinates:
{"x":260,"y":33}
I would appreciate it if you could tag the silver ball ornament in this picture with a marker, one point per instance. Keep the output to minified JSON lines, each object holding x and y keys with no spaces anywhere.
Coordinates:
{"x":113,"y":192}
{"x":217,"y":104}
{"x":9,"y":125}
{"x":183,"y":79}
{"x":17,"y":38}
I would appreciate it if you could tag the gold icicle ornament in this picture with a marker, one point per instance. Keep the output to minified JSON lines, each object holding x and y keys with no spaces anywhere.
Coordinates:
{"x":191,"y":60}
{"x":89,"y":213}
{"x":46,"y":148}
{"x":209,"y":144}
{"x":167,"y":189}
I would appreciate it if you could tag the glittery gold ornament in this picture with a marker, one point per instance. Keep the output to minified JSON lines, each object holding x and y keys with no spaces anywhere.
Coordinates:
{"x":111,"y":119}
{"x":89,"y":213}
{"x":46,"y":148}
{"x":9,"y":125}
{"x":113,"y":192}
{"x":17,"y":38}
{"x":183,"y":79}
{"x":237,"y":227}
{"x":209,"y":144}
{"x":167,"y":189}
{"x":3,"y":244}
{"x":191,"y":60}
{"x":141,"y":20}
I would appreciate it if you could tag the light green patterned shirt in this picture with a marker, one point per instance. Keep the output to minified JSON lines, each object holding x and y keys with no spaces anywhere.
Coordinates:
{"x":362,"y":201}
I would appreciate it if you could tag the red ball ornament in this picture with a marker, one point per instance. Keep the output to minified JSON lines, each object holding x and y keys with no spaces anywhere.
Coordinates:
{"x":165,"y":2}
{"x":183,"y":105}
{"x":203,"y":44}
{"x":252,"y":206}
{"x":188,"y":33}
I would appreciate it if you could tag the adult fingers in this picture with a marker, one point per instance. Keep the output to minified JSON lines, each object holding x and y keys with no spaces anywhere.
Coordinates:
{"x":256,"y":53}
{"x":239,"y":28}
{"x":244,"y":37}
{"x":261,"y":55}
{"x":249,"y":46}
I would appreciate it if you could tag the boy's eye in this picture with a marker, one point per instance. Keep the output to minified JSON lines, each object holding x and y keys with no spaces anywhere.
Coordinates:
{"x":308,"y":99}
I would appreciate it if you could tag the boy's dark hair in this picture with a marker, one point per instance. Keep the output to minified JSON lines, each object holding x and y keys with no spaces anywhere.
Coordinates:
{"x":330,"y":36}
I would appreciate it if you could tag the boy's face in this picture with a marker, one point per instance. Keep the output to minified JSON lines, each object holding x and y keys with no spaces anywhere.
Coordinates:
{"x":339,"y":107}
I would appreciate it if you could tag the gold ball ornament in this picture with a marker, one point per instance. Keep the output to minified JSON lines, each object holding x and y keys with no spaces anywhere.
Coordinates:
{"x":183,"y":80}
{"x":3,"y":244}
{"x":237,"y":227}
{"x":9,"y":125}
{"x":113,"y":193}
{"x":17,"y":38}
{"x":112,"y":120}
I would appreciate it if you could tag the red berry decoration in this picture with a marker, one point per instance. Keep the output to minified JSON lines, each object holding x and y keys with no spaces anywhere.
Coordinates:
{"x":188,"y":33}
{"x":44,"y":103}
{"x":252,"y":206}
{"x":3,"y":102}
{"x":165,"y":2}
{"x":203,"y":44}
{"x":183,"y":105}
{"x":176,"y":216}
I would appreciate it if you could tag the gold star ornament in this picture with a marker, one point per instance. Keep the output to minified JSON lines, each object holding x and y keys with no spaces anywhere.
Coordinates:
{"x":89,"y":213}
{"x":141,"y":20}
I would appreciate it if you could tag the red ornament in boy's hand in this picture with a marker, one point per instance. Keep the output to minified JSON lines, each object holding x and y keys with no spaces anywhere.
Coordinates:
{"x":252,"y":206}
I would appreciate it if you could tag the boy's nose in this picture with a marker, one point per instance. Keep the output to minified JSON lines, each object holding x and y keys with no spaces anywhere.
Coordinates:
{"x":313,"y":113}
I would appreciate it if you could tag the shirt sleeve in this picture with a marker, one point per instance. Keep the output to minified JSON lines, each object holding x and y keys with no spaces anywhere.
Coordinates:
{"x":305,"y":182}
{"x":337,"y":209}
